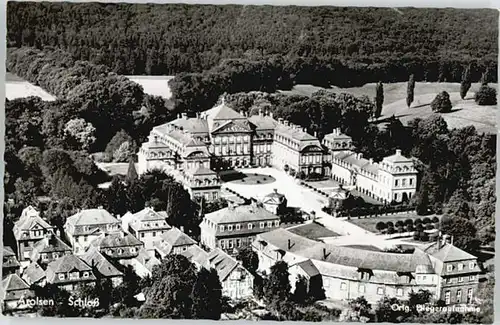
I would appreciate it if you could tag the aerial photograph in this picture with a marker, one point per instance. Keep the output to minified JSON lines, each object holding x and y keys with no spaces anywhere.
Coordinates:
{"x":250,"y":162}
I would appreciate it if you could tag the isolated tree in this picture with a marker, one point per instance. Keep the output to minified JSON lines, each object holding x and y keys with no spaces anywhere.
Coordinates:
{"x":277,"y":286}
{"x":486,"y":95}
{"x":485,"y":77}
{"x":207,"y":295}
{"x":410,"y":93}
{"x":122,"y":154}
{"x":465,"y":83}
{"x":249,"y":259}
{"x":170,"y":295}
{"x":80,"y":132}
{"x":441,"y":103}
{"x":300,"y":292}
{"x":380,"y":226}
{"x":131,"y":172}
{"x":379,"y":100}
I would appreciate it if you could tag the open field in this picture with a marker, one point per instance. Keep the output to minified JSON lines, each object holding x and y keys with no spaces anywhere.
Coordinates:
{"x":154,"y":85}
{"x":465,"y":112}
{"x":369,"y":223}
{"x":16,"y":87}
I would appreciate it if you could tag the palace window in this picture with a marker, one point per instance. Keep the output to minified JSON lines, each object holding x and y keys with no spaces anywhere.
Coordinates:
{"x":449,"y":268}
{"x":472,"y":265}
{"x":269,"y":224}
{"x":230,"y":228}
{"x":361,"y":288}
{"x":447,"y":297}
{"x":230,"y":243}
{"x":142,"y":235}
{"x":461,"y":279}
{"x":261,"y":225}
{"x":396,"y":183}
{"x":411,"y":181}
{"x":238,"y":242}
{"x":399,"y":292}
{"x":238,"y":227}
{"x":250,"y":226}
{"x":459,"y":295}
{"x":343,"y":286}
{"x":472,"y":278}
{"x":470,"y":292}
{"x":222,"y":244}
{"x":85,"y":274}
{"x":61,"y":276}
{"x":276,"y":223}
{"x":380,"y":290}
{"x":132,"y":249}
{"x":221,"y":228}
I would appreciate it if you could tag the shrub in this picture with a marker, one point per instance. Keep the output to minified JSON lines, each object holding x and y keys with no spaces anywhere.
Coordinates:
{"x":429,"y":226}
{"x":399,"y":223}
{"x":426,"y":220}
{"x":442,"y":103}
{"x":409,"y":228}
{"x":417,"y":221}
{"x":390,"y":224}
{"x":390,"y":231}
{"x":380,"y":226}
{"x":435,"y":220}
{"x":408,"y":222}
{"x":486,"y":95}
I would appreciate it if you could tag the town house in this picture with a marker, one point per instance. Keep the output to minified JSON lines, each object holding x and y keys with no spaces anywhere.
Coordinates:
{"x":69,"y":272}
{"x":146,"y":225}
{"x":174,"y":241}
{"x":10,"y":263}
{"x":28,"y":230}
{"x":101,"y":267}
{"x":49,"y":249}
{"x":118,"y":246}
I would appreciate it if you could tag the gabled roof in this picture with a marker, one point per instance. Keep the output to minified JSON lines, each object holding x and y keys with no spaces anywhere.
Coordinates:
{"x":29,"y":219}
{"x":296,"y":134}
{"x":308,"y":267}
{"x":223,"y":112}
{"x":95,"y":259}
{"x":203,"y":171}
{"x":339,"y":193}
{"x":448,"y":253}
{"x":49,"y":244}
{"x":34,"y":273}
{"x":196,"y":255}
{"x":68,"y":263}
{"x":222,"y":263}
{"x":147,"y":218}
{"x":192,"y":125}
{"x":175,"y":238}
{"x":13,"y":287}
{"x":91,"y":217}
{"x":242,"y":213}
{"x":116,"y":239}
{"x":7,"y":252}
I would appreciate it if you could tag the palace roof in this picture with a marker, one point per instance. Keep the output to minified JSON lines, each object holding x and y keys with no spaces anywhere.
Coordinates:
{"x":241,"y":213}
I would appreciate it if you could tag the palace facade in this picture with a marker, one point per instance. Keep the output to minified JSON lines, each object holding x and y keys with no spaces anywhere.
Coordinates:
{"x":193,"y":149}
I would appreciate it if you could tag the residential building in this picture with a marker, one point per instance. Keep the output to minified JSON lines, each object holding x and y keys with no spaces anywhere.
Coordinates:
{"x":235,"y":227}
{"x":13,"y":290}
{"x":117,"y":246}
{"x":346,"y":272}
{"x":174,"y":241}
{"x":147,"y":225}
{"x":144,"y":263}
{"x":34,"y":274}
{"x":337,"y":141}
{"x":28,"y":230}
{"x":236,"y":281}
{"x":393,"y":179}
{"x":69,"y":272}
{"x":86,"y":225}
{"x":10,"y":263}
{"x":101,"y":267}
{"x":275,"y":202}
{"x":49,"y":249}
{"x":458,"y":273}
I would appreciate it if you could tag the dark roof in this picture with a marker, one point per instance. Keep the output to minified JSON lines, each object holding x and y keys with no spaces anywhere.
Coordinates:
{"x":309,"y":268}
{"x":49,"y":244}
{"x":95,"y":259}
{"x":175,"y":237}
{"x":448,"y":253}
{"x":223,"y":112}
{"x":34,"y":273}
{"x":222,"y":263}
{"x":13,"y":288}
{"x":203,"y":171}
{"x":68,"y":263}
{"x":117,"y":239}
{"x":7,"y":251}
{"x":90,"y":217}
{"x":196,"y":255}
{"x":263,"y":122}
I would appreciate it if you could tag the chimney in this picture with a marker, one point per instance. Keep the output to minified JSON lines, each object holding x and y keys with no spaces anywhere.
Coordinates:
{"x":100,"y":207}
{"x":179,"y":115}
{"x":371,"y":161}
{"x":184,"y":116}
{"x":181,"y":228}
{"x":304,"y":130}
{"x":198,"y":115}
{"x":398,"y":152}
{"x":325,"y":255}
{"x":271,"y":114}
{"x":286,"y":122}
{"x":360,"y":155}
{"x":260,"y":111}
{"x":315,"y":134}
{"x":275,"y":190}
{"x":280,"y":120}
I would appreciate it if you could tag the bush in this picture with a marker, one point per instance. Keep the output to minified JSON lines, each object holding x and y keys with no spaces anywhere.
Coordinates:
{"x":426,"y":220}
{"x":390,"y":224}
{"x":380,"y":226}
{"x":429,"y":226}
{"x":408,"y":222}
{"x":435,"y":220}
{"x":417,"y":221}
{"x":442,"y":103}
{"x":409,"y":228}
{"x":390,"y":231}
{"x":486,"y":95}
{"x":399,"y":223}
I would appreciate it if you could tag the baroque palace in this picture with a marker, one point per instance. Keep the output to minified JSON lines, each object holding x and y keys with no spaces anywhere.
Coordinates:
{"x":221,"y":138}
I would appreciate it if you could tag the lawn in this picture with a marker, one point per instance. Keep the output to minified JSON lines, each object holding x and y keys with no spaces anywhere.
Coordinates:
{"x":246,"y":179}
{"x":154,"y":85}
{"x":16,"y":87}
{"x":465,"y":112}
{"x":115,"y":168}
{"x":369,"y":223}
{"x":312,"y":231}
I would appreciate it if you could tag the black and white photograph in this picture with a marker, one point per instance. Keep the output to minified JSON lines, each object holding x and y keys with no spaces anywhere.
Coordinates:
{"x":250,"y":162}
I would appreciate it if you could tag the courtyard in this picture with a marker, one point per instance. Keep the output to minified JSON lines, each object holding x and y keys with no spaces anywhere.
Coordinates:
{"x":246,"y":178}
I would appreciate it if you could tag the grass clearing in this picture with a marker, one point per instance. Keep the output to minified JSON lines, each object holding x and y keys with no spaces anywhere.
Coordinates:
{"x":313,"y":231}
{"x":16,"y":87}
{"x":154,"y":85}
{"x":465,"y":112}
